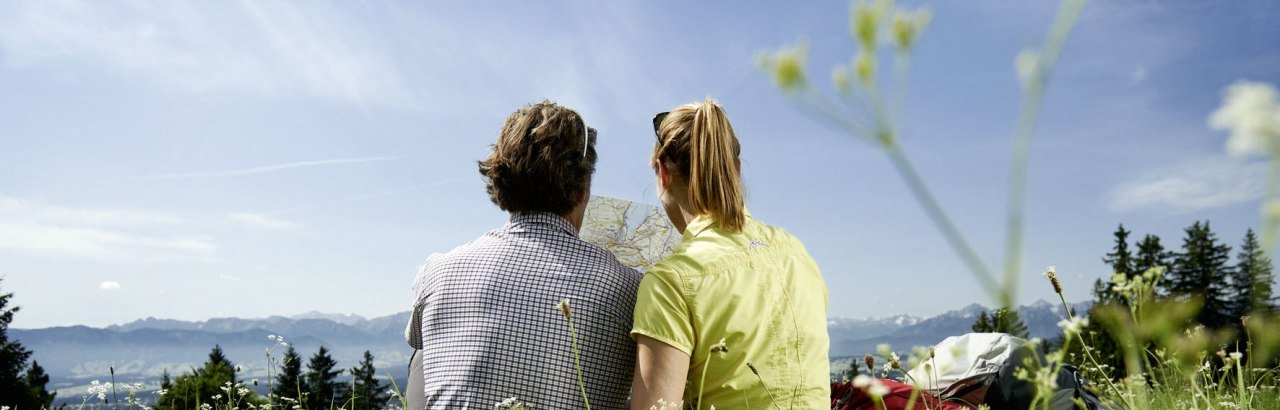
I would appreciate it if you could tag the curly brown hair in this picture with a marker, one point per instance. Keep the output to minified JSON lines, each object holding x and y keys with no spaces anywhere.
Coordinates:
{"x":539,"y":163}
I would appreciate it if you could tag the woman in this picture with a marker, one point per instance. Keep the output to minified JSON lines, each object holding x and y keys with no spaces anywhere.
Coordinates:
{"x":736,"y":316}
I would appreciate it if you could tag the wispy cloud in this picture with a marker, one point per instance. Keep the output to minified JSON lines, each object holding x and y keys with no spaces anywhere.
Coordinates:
{"x":1196,"y":185}
{"x":365,"y":196}
{"x":260,"y":221}
{"x":35,"y":227}
{"x":109,"y":285}
{"x":267,"y":49}
{"x":267,"y":168}
{"x":81,"y":216}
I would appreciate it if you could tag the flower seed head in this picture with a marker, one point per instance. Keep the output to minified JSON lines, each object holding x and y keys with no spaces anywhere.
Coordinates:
{"x":753,"y":368}
{"x":1052,"y":274}
{"x":564,"y":308}
{"x":871,"y":363}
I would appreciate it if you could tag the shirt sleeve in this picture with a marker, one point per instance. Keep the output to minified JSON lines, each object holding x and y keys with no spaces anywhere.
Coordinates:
{"x":662,"y":312}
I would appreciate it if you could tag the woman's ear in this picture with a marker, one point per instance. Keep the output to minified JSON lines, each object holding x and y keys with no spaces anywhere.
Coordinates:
{"x":664,"y":177}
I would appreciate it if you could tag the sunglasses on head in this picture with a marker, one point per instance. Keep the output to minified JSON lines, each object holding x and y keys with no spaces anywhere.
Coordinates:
{"x":657,"y":122}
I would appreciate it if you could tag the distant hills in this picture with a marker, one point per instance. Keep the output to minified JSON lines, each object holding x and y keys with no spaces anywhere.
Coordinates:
{"x":855,"y":337}
{"x":141,"y":350}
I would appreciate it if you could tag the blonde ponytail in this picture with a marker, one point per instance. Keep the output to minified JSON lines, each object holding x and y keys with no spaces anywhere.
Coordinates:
{"x":700,"y":141}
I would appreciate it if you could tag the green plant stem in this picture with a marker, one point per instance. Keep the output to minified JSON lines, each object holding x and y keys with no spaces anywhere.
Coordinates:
{"x":1084,"y":347}
{"x":940,"y":219}
{"x":1271,"y":221}
{"x":703,"y":382}
{"x":573,"y":336}
{"x":1029,"y":111}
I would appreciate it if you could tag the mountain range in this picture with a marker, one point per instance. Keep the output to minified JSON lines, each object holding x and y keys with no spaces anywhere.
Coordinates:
{"x":141,"y":350}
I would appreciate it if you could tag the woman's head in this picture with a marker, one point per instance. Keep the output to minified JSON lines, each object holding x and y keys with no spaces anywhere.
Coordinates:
{"x":697,"y":148}
{"x":542,"y":162}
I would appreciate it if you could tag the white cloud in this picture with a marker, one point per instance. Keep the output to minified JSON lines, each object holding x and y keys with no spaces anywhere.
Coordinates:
{"x":260,"y":221}
{"x":80,"y":216}
{"x":268,"y":168}
{"x":109,"y":285}
{"x":35,"y":227}
{"x":1196,"y":185}
{"x":270,"y":49}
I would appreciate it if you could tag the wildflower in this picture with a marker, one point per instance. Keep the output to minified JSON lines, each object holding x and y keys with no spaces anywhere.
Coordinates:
{"x":884,"y":349}
{"x":217,"y":397}
{"x":1251,"y":112}
{"x":907,"y":27}
{"x":720,"y":347}
{"x":510,"y":403}
{"x":840,"y":77}
{"x":866,"y":22}
{"x":865,"y":67}
{"x":1052,"y":274}
{"x":1073,"y":325}
{"x":878,"y":389}
{"x":1028,"y":66}
{"x":786,"y":66}
{"x":861,"y":381}
{"x":563,"y":305}
{"x":894,"y":361}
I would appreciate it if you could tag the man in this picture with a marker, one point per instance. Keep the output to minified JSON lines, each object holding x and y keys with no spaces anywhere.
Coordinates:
{"x":486,"y":320}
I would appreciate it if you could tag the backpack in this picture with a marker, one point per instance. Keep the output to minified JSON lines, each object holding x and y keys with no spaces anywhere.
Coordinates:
{"x":980,"y":368}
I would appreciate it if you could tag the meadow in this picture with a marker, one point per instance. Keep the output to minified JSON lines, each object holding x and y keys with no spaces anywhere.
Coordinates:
{"x":1166,"y":359}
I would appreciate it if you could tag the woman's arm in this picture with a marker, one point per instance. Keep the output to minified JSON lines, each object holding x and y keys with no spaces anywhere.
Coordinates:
{"x":661,"y":371}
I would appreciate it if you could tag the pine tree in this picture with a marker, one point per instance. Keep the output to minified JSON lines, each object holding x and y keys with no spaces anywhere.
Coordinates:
{"x":201,"y":384}
{"x":1151,"y":254}
{"x":1201,"y":270}
{"x":21,"y":387}
{"x":983,"y":324}
{"x":367,"y":391}
{"x":165,"y":382}
{"x":322,"y":379}
{"x":289,"y":382}
{"x":1120,"y":259}
{"x":37,"y":382}
{"x":1252,"y":278}
{"x":13,"y":358}
{"x":1001,"y":320}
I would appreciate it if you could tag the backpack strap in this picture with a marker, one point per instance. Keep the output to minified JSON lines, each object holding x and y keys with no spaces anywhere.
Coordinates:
{"x":415,"y":326}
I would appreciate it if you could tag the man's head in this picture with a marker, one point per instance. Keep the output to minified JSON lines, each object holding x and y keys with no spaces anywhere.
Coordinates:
{"x":542,"y":162}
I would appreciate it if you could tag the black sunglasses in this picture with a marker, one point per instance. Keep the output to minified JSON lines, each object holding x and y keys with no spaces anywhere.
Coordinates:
{"x":657,"y":122}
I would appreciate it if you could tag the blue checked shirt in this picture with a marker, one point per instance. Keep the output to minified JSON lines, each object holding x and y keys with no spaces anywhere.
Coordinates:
{"x":490,"y":329}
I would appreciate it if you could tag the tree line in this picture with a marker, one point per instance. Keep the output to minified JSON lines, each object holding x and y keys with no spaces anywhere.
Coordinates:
{"x":1201,"y":270}
{"x":315,"y":387}
{"x":22,"y":386}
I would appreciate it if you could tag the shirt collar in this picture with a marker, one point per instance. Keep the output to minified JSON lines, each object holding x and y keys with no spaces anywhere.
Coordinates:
{"x":544,"y":218}
{"x":703,"y":222}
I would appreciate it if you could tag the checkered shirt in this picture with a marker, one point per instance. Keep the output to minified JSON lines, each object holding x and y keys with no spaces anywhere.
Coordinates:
{"x":490,"y":329}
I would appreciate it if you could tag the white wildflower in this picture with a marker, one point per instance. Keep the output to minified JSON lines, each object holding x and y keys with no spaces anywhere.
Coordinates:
{"x":1251,"y":112}
{"x":1073,"y":325}
{"x":1028,"y":66}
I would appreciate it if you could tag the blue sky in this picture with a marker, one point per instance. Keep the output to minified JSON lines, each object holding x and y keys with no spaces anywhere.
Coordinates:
{"x":199,"y":159}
